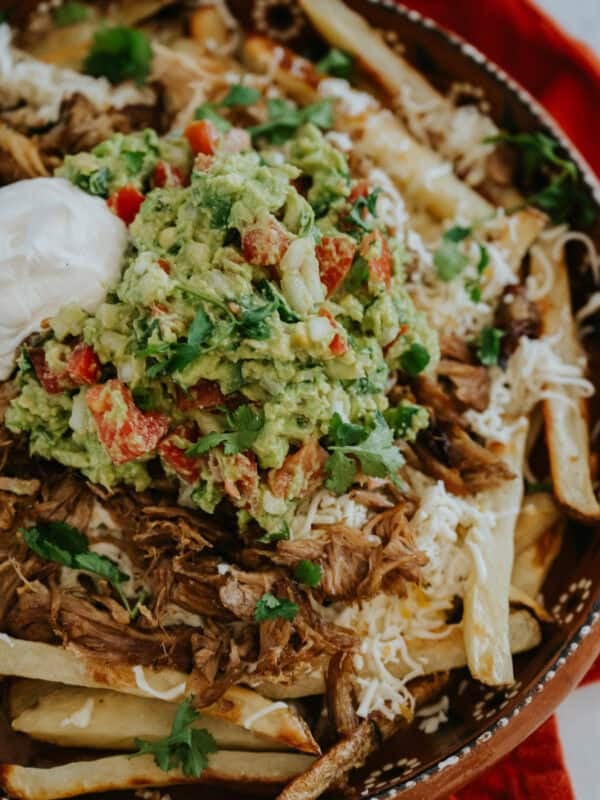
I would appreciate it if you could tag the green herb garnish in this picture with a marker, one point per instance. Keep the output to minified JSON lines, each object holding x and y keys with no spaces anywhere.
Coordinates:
{"x":63,"y":544}
{"x":178,"y":356}
{"x":563,"y":195}
{"x":373,"y":447}
{"x":284,"y":119}
{"x":186,"y":747}
{"x":237,"y":95}
{"x":488,"y":346}
{"x":448,"y":259}
{"x":70,"y":13}
{"x":400,"y":418}
{"x":271,"y":607}
{"x":356,"y":219}
{"x":244,"y":425}
{"x":308,"y":573}
{"x":277,"y":536}
{"x":337,"y":63}
{"x":119,"y":54}
{"x":358,"y":275}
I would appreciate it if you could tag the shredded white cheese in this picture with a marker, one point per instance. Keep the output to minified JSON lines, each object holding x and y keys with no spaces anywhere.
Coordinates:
{"x":44,"y":86}
{"x":250,"y":721}
{"x":144,"y":686}
{"x":81,"y":718}
{"x":325,"y":508}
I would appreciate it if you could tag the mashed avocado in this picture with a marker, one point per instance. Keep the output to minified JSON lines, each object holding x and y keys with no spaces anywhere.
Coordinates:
{"x":249,"y":343}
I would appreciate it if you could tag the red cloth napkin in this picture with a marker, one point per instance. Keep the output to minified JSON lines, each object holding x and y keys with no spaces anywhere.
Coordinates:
{"x":560,"y":71}
{"x":564,"y":75}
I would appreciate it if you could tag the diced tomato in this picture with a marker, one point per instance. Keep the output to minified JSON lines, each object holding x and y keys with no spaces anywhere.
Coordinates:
{"x":376,"y":250}
{"x":335,"y":255}
{"x":360,"y":189}
{"x":338,"y":345}
{"x":164,"y":265}
{"x":236,"y":140}
{"x":126,"y":432}
{"x":202,"y":136}
{"x":167,"y":175}
{"x":204,"y":394}
{"x":187,"y":467}
{"x":52,"y":382}
{"x":84,"y":365}
{"x":264,"y":244}
{"x":126,"y":203}
{"x":301,"y":473}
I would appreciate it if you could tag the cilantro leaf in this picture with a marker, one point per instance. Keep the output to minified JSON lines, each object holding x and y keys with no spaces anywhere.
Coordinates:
{"x":356,"y":218}
{"x":270,"y":607}
{"x":554,"y":181}
{"x":449,"y":261}
{"x":415,"y":359}
{"x":244,"y":424}
{"x":208,"y":111}
{"x":134,"y":161}
{"x":63,"y":544}
{"x":285,"y":118}
{"x":186,"y":747}
{"x":270,"y":293}
{"x":308,"y":573}
{"x":251,"y":323}
{"x":56,"y":541}
{"x":240,"y":95}
{"x":488,"y":346}
{"x":337,"y":63}
{"x":96,"y":182}
{"x":70,"y":13}
{"x":180,"y":354}
{"x":341,"y":472}
{"x":119,"y":53}
{"x":372,"y":446}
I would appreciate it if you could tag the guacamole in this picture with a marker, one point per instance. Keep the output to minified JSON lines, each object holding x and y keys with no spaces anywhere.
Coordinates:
{"x":247,"y":348}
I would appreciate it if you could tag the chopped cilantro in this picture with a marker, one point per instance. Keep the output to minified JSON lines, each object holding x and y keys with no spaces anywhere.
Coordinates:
{"x":179,"y":355}
{"x":186,"y":746}
{"x":308,"y":573}
{"x":95,"y":183}
{"x":358,"y":275}
{"x":284,"y":119}
{"x":207,"y":111}
{"x":119,"y":54}
{"x":243,"y":423}
{"x":448,"y":259}
{"x":372,"y":446}
{"x":554,"y":181}
{"x":400,"y":417}
{"x":355,"y":220}
{"x":415,"y":359}
{"x":337,"y":63}
{"x":63,"y":544}
{"x":240,"y":95}
{"x":271,"y":607}
{"x":488,"y":346}
{"x":252,"y":321}
{"x":270,"y":293}
{"x":70,"y":13}
{"x":134,"y":161}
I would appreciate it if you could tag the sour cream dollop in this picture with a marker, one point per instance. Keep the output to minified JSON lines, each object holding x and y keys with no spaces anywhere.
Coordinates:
{"x":58,"y":245}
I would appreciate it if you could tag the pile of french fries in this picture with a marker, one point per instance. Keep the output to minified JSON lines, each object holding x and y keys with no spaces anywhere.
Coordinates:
{"x":57,"y":696}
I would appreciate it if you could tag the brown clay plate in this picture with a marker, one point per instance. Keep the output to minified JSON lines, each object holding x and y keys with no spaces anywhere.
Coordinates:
{"x":483,"y":723}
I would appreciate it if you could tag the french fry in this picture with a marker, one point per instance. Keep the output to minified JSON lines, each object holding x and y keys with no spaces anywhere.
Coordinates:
{"x":436,"y":655}
{"x":486,"y":604}
{"x":565,"y":414}
{"x":538,"y":513}
{"x":122,"y":772}
{"x":42,"y":661}
{"x":533,"y":563}
{"x":424,"y":177}
{"x":353,"y":751}
{"x":100,"y":719}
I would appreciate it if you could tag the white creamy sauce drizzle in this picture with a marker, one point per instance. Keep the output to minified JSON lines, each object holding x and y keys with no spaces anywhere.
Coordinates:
{"x":250,"y":721}
{"x":144,"y":686}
